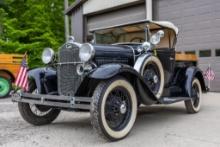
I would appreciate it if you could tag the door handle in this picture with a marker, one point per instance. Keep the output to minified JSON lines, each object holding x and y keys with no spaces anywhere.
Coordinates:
{"x":171,"y":58}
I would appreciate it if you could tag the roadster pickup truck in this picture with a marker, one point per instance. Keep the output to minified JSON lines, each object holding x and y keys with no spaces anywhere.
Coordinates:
{"x":122,"y":67}
{"x":9,"y":66}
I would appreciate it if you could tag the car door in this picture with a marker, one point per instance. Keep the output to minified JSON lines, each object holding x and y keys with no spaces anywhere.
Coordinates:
{"x":167,"y":58}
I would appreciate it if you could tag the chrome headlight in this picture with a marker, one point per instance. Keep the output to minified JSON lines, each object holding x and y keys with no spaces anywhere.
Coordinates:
{"x":47,"y":55}
{"x":86,"y":52}
{"x":146,"y":46}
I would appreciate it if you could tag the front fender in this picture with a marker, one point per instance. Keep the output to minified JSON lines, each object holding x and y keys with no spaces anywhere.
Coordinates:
{"x":108,"y":71}
{"x":42,"y":77}
{"x":191,"y":73}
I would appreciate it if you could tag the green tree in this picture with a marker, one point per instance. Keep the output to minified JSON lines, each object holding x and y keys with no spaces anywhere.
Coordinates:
{"x":31,"y":25}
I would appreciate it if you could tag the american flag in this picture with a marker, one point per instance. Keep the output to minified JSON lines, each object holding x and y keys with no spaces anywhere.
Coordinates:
{"x":22,"y":78}
{"x":209,"y":74}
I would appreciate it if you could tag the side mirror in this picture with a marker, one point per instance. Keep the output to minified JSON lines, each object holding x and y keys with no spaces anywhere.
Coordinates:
{"x":155,"y":38}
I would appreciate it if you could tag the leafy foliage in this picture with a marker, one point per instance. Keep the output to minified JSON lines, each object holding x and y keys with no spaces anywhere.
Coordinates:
{"x":31,"y":25}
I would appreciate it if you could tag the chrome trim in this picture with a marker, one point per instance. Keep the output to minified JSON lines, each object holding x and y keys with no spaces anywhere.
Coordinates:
{"x":52,"y":54}
{"x":122,"y":43}
{"x":64,"y":63}
{"x":72,"y":40}
{"x":92,"y":51}
{"x":140,"y":61}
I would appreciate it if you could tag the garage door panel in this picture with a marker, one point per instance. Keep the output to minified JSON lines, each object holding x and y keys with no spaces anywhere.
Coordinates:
{"x":215,"y":64}
{"x":193,"y":17}
{"x":125,"y":15}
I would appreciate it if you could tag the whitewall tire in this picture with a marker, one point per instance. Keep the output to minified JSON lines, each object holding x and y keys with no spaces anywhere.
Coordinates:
{"x":114,"y":108}
{"x":158,"y":78}
{"x":194,"y":105}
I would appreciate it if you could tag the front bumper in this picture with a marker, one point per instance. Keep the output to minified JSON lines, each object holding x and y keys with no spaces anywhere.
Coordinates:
{"x":66,"y":102}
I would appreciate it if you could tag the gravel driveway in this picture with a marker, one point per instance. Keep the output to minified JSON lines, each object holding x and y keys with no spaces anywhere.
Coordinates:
{"x":156,"y":126}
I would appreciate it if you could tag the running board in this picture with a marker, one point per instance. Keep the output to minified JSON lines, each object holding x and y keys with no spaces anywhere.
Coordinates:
{"x":171,"y":100}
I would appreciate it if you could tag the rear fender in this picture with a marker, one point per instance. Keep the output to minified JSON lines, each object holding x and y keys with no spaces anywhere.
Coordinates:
{"x":44,"y":78}
{"x":108,"y":71}
{"x":7,"y":74}
{"x":191,"y":73}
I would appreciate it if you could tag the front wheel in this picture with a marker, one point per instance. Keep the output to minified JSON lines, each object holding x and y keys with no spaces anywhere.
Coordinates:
{"x":114,"y":108}
{"x":193,"y":105}
{"x":37,"y":114}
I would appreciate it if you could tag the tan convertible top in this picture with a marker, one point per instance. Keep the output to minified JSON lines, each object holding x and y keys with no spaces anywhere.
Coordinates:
{"x":136,"y":26}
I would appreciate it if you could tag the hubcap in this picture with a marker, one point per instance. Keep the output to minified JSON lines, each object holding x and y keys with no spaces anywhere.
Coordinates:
{"x":4,"y":87}
{"x":155,"y":79}
{"x":123,"y":108}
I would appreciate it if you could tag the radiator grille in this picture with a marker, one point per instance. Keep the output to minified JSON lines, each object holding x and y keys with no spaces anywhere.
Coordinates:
{"x":68,"y":79}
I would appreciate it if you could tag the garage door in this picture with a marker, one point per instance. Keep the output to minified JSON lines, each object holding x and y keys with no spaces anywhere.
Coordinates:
{"x":198,"y":22}
{"x":214,"y":62}
{"x":125,"y":15}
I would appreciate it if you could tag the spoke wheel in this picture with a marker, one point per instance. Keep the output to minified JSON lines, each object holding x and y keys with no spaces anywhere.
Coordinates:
{"x":118,"y":108}
{"x":113,"y":108}
{"x":5,"y":87}
{"x":153,"y":74}
{"x":39,"y":110}
{"x":152,"y":77}
{"x":37,"y":114}
{"x":193,"y":105}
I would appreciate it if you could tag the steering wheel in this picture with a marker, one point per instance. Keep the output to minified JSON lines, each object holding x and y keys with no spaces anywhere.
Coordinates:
{"x":137,"y":39}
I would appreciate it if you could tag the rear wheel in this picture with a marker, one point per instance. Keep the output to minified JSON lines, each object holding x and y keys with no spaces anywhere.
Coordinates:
{"x":5,"y":87}
{"x":114,"y":108}
{"x":37,"y":114}
{"x":193,"y":105}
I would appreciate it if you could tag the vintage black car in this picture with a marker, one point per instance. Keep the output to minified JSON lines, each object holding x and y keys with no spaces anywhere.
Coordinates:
{"x":123,"y":67}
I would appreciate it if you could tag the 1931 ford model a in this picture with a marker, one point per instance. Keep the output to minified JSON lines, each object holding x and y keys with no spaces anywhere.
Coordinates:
{"x":112,"y":78}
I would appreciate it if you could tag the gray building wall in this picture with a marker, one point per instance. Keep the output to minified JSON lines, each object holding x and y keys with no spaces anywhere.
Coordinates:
{"x":199,"y":25}
{"x":197,"y":20}
{"x":120,"y":16}
{"x":77,"y":24}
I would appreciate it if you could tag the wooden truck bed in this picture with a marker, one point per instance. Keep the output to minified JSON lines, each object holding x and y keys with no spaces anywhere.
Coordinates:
{"x":186,"y":57}
{"x":10,"y":63}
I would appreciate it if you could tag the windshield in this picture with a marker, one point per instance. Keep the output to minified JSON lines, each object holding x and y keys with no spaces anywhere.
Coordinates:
{"x":134,"y":33}
{"x":110,"y":38}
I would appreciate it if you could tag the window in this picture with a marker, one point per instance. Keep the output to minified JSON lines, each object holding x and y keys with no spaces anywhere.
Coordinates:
{"x":205,"y":53}
{"x":217,"y":52}
{"x":190,"y":52}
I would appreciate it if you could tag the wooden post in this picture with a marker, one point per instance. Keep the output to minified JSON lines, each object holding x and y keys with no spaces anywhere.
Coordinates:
{"x":66,"y":20}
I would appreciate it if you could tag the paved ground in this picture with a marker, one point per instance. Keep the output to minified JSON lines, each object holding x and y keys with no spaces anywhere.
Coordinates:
{"x":157,"y":126}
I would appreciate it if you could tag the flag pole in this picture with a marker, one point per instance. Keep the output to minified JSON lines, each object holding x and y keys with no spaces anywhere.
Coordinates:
{"x":209,"y":81}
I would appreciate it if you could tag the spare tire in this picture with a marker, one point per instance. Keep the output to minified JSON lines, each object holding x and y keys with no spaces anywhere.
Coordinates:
{"x":153,"y":74}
